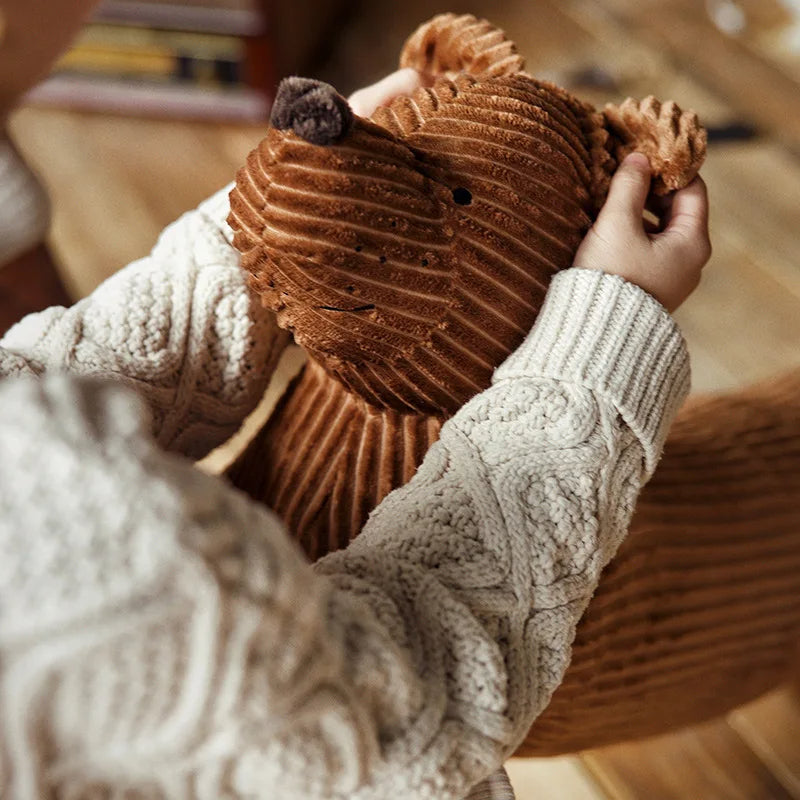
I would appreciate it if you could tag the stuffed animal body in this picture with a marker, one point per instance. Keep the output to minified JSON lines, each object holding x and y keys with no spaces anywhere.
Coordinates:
{"x":409,"y":255}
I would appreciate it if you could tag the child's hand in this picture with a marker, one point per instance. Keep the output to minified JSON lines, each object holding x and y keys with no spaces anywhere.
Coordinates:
{"x":665,"y":261}
{"x":403,"y":81}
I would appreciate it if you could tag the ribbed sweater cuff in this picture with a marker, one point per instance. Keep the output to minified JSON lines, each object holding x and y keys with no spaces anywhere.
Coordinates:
{"x":603,"y":333}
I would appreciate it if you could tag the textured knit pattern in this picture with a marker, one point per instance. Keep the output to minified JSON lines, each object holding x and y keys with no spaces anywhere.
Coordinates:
{"x":160,"y":634}
{"x":495,"y":787}
{"x":179,"y":327}
{"x":699,"y":611}
{"x":24,"y":208}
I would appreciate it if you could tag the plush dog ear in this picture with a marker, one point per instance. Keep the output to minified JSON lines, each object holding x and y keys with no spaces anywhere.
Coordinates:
{"x":450,"y":44}
{"x":314,"y":110}
{"x":672,"y":139}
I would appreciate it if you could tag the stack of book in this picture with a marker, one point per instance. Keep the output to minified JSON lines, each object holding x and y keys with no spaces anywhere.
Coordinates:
{"x":192,"y":58}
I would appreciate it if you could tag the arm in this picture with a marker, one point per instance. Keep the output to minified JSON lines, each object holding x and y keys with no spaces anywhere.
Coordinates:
{"x":178,"y":326}
{"x":157,"y":629}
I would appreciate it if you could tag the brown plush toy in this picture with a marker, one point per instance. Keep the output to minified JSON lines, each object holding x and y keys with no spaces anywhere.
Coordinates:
{"x":409,"y":255}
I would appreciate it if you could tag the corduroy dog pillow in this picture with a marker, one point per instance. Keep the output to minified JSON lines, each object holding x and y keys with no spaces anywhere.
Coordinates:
{"x":409,"y":254}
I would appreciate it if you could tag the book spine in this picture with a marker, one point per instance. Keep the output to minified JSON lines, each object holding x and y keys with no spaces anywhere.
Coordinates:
{"x":105,"y":50}
{"x":173,"y":67}
{"x":246,"y":20}
{"x":190,"y":58}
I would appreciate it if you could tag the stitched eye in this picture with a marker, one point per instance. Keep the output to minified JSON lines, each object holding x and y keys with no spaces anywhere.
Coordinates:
{"x":462,"y":196}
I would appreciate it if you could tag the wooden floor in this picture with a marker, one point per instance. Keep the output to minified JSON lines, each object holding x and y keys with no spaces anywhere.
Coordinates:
{"x":116,"y":182}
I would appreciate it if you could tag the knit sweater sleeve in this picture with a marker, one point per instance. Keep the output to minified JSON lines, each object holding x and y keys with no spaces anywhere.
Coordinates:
{"x":179,"y":327}
{"x":159,"y":632}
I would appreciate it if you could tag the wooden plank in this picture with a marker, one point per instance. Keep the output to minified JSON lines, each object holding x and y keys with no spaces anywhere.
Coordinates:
{"x":637,"y":68}
{"x":745,"y":312}
{"x":756,"y":203}
{"x":759,"y":90}
{"x":95,"y":211}
{"x":709,"y":761}
{"x":768,"y":27}
{"x":563,"y":778}
{"x":771,"y":728}
{"x":115,"y":182}
{"x":743,"y":316}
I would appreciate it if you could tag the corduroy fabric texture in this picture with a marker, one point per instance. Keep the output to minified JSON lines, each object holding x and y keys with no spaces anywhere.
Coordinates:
{"x":410,"y":254}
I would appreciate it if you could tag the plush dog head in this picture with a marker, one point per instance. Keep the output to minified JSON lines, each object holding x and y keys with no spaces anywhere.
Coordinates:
{"x":409,"y":253}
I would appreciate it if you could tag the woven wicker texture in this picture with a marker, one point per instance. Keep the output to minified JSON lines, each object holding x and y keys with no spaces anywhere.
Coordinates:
{"x":409,"y":254}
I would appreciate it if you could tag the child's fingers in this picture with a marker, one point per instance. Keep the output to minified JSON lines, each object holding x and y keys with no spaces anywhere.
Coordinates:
{"x":689,"y":213}
{"x":628,"y":193}
{"x":688,"y":223}
{"x":366,"y":100}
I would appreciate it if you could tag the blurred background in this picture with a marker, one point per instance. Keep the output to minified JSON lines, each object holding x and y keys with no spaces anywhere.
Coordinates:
{"x":157,"y":104}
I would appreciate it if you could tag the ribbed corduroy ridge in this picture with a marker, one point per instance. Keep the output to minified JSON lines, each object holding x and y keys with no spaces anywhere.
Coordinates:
{"x":450,"y":43}
{"x":407,"y":296}
{"x":326,"y":458}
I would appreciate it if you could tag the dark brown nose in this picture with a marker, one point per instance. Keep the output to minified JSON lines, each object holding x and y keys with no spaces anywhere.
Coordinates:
{"x":314,"y":110}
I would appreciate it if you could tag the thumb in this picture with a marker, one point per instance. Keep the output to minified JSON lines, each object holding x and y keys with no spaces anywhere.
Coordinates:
{"x":629,"y":189}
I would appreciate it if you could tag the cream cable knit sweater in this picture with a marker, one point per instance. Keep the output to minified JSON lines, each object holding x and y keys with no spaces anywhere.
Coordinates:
{"x":160,"y":635}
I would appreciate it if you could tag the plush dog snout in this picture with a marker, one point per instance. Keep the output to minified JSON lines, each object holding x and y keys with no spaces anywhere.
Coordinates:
{"x":314,"y":110}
